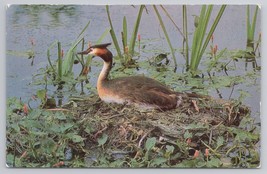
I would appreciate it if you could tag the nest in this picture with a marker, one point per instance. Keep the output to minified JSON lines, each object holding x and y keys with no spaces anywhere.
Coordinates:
{"x":127,"y":127}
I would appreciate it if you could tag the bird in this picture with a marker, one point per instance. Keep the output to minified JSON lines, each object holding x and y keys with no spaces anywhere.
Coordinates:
{"x":137,"y":90}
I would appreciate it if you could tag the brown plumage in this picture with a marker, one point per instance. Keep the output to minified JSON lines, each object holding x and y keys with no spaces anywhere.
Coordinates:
{"x":138,"y":90}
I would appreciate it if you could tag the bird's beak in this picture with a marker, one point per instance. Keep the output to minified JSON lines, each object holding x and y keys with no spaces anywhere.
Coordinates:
{"x":85,"y":52}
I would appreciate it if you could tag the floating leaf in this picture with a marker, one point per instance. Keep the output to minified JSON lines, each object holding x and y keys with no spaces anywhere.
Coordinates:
{"x":158,"y":161}
{"x":169,"y":149}
{"x":101,"y":141}
{"x":150,"y":143}
{"x":41,"y":94}
{"x":187,"y":134}
{"x":214,"y":162}
{"x":48,"y":144}
{"x":160,"y":57}
{"x":15,"y":127}
{"x":77,"y":138}
{"x":65,"y":127}
{"x":220,"y":141}
{"x":60,"y":116}
{"x":88,"y":129}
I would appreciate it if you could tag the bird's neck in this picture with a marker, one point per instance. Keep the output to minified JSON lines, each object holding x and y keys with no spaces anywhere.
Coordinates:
{"x":105,"y":71}
{"x":103,"y":76}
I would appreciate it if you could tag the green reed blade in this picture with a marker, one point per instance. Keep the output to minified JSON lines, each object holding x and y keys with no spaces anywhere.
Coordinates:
{"x":248,"y":23}
{"x":59,"y":61}
{"x":203,"y":23}
{"x":166,"y":34}
{"x":196,"y":38}
{"x":253,"y":26}
{"x":124,"y":37}
{"x":212,"y":29}
{"x":89,"y":57}
{"x":203,"y":27}
{"x":135,"y":30}
{"x":169,"y":16}
{"x":113,"y":35}
{"x":82,"y":59}
{"x":199,"y":47}
{"x":48,"y":55}
{"x":185,"y":36}
{"x":68,"y":61}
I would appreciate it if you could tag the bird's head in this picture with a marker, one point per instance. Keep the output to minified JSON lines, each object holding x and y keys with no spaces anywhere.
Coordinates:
{"x":96,"y":50}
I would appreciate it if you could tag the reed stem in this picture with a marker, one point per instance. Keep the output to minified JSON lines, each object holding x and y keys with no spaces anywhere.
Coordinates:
{"x":185,"y":40}
{"x":135,"y":31}
{"x":166,"y":35}
{"x":113,"y":35}
{"x":59,"y":61}
{"x":200,"y":44}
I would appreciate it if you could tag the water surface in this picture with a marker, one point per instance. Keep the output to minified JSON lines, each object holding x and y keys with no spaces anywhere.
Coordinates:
{"x":43,"y":24}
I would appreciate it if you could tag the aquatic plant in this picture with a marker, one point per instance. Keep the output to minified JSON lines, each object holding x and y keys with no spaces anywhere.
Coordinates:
{"x":200,"y":43}
{"x":30,"y":53}
{"x":110,"y":135}
{"x":68,"y":61}
{"x":252,"y":44}
{"x":251,"y":28}
{"x":64,"y":65}
{"x":85,"y":62}
{"x":200,"y":39}
{"x":107,"y":135}
{"x":126,"y":58}
{"x":112,"y":33}
{"x":166,"y":35}
{"x":185,"y":39}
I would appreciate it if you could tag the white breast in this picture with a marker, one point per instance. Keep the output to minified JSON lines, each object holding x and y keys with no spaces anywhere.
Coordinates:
{"x":112,"y":99}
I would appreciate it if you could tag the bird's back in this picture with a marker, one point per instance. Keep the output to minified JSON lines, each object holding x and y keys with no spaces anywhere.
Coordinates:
{"x":142,"y":91}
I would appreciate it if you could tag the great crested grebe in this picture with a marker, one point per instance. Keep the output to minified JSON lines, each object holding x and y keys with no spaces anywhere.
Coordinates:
{"x":137,"y":90}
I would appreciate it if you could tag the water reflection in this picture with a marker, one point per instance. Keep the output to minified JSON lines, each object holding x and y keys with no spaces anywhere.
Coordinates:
{"x":39,"y":14}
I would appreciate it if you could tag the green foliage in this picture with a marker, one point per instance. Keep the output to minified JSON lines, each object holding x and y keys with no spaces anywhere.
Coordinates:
{"x":166,"y":34}
{"x":124,"y":33}
{"x":135,"y":30}
{"x":42,"y":135}
{"x":199,"y":44}
{"x":68,"y":61}
{"x":41,"y":94}
{"x":185,"y":40}
{"x":126,"y":58}
{"x":187,"y":134}
{"x":150,"y":143}
{"x":64,"y":65}
{"x":89,"y":57}
{"x":45,"y":136}
{"x":112,"y":33}
{"x":60,"y":72}
{"x":251,"y":27}
{"x":101,"y":141}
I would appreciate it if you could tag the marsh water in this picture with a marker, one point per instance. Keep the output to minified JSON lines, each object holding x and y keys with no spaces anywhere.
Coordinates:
{"x":43,"y":24}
